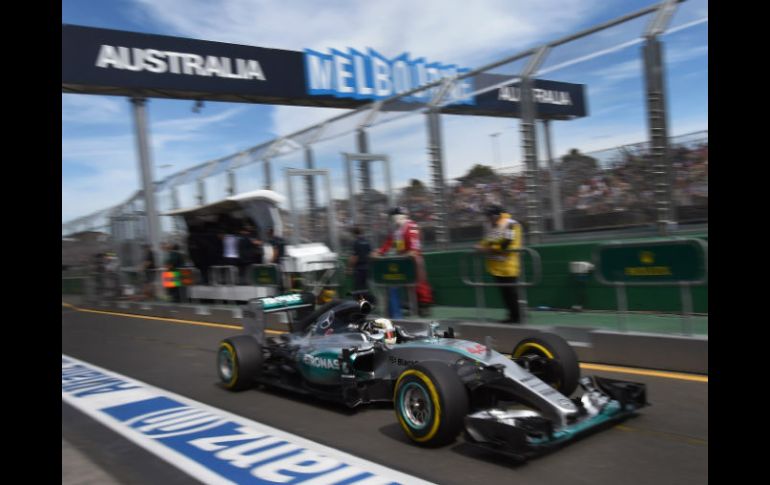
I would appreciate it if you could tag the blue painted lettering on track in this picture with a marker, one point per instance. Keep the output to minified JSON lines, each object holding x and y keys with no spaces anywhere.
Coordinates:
{"x":210,"y":444}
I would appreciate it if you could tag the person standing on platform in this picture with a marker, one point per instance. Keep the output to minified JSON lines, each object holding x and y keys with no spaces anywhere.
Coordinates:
{"x":405,"y":239}
{"x":358,"y":263}
{"x":503,"y":235}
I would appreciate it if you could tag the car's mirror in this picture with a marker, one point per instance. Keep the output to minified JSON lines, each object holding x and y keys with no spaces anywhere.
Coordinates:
{"x":365,"y":306}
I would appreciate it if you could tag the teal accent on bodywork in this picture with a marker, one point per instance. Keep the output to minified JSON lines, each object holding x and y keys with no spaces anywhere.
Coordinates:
{"x":403,"y":411}
{"x":282,"y":301}
{"x":611,"y":411}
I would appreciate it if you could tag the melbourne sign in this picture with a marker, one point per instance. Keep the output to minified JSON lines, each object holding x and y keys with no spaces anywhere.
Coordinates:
{"x":372,"y":76}
{"x":104,"y":61}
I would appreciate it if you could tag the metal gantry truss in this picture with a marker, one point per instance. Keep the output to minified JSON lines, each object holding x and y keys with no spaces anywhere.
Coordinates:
{"x":303,"y":139}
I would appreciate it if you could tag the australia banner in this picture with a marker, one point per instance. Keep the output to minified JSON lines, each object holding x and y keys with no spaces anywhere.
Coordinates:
{"x":113,"y":62}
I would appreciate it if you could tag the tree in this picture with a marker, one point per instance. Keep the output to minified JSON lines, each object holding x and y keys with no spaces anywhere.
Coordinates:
{"x":416,"y":189}
{"x":575,"y":168}
{"x":576,"y":160}
{"x":478,"y":173}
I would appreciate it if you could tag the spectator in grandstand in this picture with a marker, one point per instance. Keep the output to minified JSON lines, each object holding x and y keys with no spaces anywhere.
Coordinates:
{"x":405,"y":240}
{"x":502,"y":236}
{"x":583,"y":197}
{"x":358,"y":263}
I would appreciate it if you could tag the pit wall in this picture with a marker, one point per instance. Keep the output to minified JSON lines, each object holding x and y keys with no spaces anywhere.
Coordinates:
{"x":558,"y":288}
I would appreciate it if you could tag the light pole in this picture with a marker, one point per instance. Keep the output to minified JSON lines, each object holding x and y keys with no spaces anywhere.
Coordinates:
{"x":495,"y":148}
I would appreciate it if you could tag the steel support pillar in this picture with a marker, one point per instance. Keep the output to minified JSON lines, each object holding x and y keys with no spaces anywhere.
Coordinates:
{"x":231,"y":187}
{"x":436,"y":160}
{"x":175,"y":198}
{"x":658,"y":131}
{"x":555,"y":186}
{"x":201,"y":191}
{"x":352,"y":206}
{"x":529,"y":146}
{"x":294,"y":239}
{"x":311,"y":193}
{"x":330,"y":212}
{"x":145,"y":168}
{"x":366,"y":186}
{"x":268,"y":174}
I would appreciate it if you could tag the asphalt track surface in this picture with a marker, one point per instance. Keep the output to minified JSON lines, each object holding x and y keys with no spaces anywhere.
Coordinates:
{"x":667,"y":443}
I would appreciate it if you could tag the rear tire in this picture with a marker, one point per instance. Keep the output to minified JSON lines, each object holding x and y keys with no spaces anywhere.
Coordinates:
{"x":555,"y":362}
{"x":430,"y":403}
{"x":239,"y":361}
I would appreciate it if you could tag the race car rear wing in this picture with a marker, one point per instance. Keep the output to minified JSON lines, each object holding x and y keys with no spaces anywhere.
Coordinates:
{"x":256,"y":309}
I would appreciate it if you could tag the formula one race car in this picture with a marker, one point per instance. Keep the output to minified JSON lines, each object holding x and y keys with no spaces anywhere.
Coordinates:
{"x":439,"y":385}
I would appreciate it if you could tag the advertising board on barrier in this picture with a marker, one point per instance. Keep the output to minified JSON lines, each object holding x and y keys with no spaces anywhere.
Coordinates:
{"x":395,"y":271}
{"x":123,"y":63}
{"x":658,"y":262}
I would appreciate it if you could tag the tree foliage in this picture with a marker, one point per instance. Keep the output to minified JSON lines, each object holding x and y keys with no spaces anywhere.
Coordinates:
{"x":478,"y":173}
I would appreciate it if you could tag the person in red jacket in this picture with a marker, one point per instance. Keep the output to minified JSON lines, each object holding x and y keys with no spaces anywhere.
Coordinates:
{"x":405,"y":240}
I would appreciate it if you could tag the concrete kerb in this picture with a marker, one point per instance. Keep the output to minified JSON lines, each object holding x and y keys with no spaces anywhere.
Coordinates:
{"x":666,"y":352}
{"x":634,"y":349}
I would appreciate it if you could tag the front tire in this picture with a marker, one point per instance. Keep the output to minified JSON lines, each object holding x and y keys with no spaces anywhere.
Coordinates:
{"x":430,"y":403}
{"x":239,"y":360}
{"x":551,"y":359}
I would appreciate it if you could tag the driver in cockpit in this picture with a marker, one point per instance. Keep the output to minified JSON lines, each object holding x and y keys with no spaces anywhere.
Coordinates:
{"x":380,"y":329}
{"x":349,"y":318}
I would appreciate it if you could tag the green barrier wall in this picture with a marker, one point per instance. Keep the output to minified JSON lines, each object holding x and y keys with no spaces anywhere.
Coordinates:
{"x":72,"y":286}
{"x":558,"y":288}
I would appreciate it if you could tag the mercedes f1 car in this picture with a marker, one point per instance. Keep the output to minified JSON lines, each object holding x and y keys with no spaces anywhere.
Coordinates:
{"x":439,"y":385}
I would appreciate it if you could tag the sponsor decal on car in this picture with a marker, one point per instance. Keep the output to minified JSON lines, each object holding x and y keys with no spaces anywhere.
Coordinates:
{"x":322,"y":362}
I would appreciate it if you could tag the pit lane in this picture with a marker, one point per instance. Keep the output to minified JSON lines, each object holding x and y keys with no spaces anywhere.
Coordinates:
{"x":666,"y":443}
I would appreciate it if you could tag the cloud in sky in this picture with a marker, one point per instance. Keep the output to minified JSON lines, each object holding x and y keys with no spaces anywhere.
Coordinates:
{"x":468,"y":34}
{"x":105,"y":166}
{"x":448,"y":31}
{"x":92,"y":109}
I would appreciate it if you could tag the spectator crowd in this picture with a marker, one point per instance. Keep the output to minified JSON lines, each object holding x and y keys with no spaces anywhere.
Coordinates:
{"x":612,"y":182}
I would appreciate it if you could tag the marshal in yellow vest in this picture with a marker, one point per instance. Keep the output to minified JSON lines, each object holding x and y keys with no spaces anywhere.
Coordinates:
{"x":503,"y":262}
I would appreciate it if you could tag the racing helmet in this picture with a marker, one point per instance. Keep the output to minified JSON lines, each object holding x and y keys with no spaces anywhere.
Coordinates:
{"x":382,"y":328}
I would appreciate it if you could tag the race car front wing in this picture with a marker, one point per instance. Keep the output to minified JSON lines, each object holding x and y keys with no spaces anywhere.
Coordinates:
{"x":524,"y":432}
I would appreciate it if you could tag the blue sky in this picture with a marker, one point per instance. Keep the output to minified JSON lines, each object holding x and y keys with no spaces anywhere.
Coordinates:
{"x":99,"y":164}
